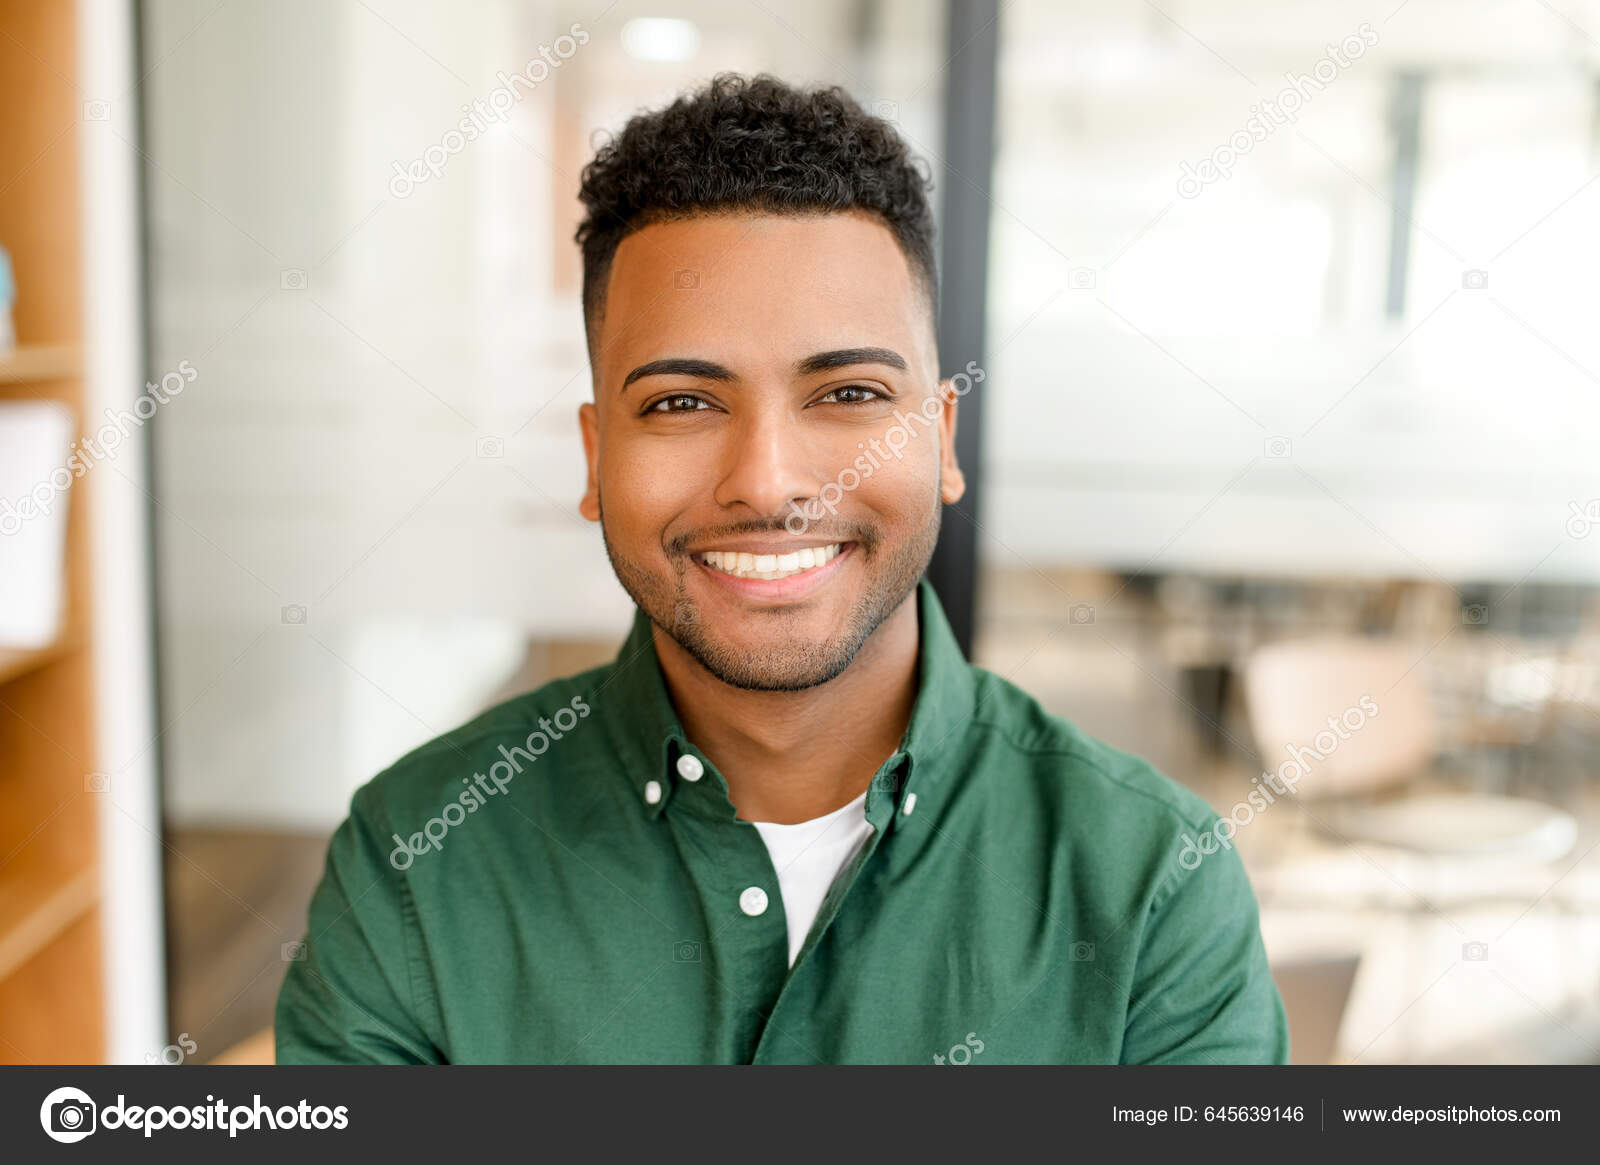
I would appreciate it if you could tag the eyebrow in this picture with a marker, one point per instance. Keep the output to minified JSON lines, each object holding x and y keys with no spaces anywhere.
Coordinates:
{"x":819,"y":362}
{"x":844,"y":357}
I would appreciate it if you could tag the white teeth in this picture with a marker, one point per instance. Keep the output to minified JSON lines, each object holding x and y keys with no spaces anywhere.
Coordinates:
{"x":769,"y":566}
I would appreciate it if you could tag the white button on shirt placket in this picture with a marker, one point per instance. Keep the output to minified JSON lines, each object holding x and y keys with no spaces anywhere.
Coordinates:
{"x":753,"y":900}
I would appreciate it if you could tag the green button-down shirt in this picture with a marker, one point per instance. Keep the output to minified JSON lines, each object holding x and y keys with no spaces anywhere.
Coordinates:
{"x":555,"y":882}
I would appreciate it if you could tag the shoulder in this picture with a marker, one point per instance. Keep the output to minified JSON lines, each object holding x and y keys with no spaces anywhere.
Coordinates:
{"x":1112,"y":807}
{"x":486,"y":754}
{"x":1129,"y":840}
{"x":1089,"y":770}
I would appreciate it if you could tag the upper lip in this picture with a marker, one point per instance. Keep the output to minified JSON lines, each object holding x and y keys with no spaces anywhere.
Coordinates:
{"x":766,"y":546}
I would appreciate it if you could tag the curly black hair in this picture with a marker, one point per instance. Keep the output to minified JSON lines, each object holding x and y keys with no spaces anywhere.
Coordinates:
{"x":752,"y":144}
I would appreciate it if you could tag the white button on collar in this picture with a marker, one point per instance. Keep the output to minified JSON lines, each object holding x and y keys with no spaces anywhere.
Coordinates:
{"x":690,"y":768}
{"x":753,"y":901}
{"x":652,"y":791}
{"x":911,"y":803}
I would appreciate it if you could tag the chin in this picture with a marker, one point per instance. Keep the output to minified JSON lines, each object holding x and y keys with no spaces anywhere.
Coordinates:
{"x":786,"y":663}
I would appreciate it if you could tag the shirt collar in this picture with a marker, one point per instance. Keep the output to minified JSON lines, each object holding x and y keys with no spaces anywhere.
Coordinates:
{"x":650,"y":740}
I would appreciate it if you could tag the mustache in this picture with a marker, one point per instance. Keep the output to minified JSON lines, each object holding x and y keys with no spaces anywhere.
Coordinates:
{"x":834,"y":532}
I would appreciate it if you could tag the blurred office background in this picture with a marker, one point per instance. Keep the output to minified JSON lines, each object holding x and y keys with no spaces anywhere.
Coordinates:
{"x":1280,"y":411}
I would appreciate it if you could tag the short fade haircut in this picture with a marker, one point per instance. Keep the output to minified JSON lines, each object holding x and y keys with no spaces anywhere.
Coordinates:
{"x":757,"y":145}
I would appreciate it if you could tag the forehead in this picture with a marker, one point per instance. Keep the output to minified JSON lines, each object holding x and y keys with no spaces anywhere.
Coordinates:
{"x":747,"y":289}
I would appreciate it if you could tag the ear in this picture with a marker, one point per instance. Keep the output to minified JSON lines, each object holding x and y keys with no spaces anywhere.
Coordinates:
{"x":589,"y":423}
{"x":952,"y":484}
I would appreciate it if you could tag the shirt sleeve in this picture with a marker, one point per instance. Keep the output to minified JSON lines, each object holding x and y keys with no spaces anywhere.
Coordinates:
{"x":349,"y":996}
{"x":1202,"y":993}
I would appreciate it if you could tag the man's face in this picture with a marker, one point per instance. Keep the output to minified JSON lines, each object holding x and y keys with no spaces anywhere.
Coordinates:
{"x":761,"y":438}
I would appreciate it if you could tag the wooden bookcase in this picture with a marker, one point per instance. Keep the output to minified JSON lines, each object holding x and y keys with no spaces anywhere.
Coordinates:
{"x":52,"y":990}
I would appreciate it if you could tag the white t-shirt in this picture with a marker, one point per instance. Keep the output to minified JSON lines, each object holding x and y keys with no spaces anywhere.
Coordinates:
{"x":808,"y":856}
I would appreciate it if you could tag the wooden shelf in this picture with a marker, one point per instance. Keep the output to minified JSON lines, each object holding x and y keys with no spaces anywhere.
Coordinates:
{"x":39,"y":362}
{"x":37,"y":904}
{"x":17,"y":661}
{"x":53,"y":977}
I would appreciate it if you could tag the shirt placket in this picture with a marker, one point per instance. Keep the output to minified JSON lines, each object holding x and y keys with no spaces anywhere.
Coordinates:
{"x":746,"y":944}
{"x":883,"y":799}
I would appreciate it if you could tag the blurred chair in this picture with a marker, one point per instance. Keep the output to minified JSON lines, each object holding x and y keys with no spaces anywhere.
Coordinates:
{"x":1369,"y":781}
{"x":1315,"y":993}
{"x":1374,"y":784}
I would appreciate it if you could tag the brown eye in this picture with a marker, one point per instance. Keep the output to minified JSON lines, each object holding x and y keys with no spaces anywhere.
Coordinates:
{"x":682,"y":403}
{"x":854,"y":394}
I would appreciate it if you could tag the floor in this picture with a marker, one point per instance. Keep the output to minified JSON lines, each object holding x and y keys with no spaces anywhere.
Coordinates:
{"x":234,"y":899}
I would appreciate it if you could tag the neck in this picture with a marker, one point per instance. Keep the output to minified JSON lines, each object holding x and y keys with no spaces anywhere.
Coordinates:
{"x":793,"y":756}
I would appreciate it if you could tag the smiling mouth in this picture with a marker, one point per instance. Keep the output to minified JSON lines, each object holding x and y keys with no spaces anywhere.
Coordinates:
{"x":770,"y":566}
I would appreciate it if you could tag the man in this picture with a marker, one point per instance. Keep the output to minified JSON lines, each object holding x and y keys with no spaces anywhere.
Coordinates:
{"x":790,"y":823}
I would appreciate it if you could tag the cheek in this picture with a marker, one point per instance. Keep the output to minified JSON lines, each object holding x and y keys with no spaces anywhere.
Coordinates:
{"x":909,"y":467}
{"x":910,"y":441}
{"x":645,"y":484}
{"x":901,"y":492}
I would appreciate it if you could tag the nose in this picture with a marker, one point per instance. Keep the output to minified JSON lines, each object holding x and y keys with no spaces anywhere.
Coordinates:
{"x":769,"y":465}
